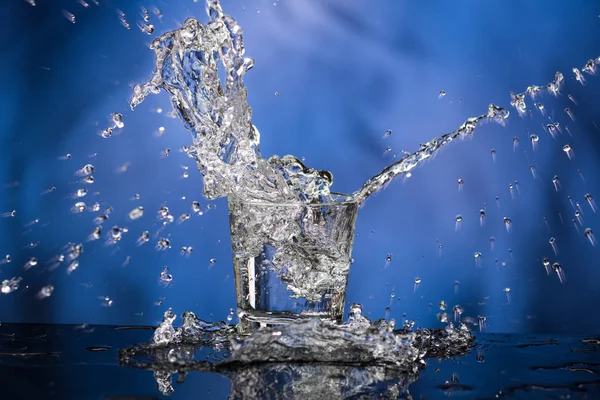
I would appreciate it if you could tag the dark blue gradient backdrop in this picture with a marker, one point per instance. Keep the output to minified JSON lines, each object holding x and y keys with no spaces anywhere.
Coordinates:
{"x":345,"y":72}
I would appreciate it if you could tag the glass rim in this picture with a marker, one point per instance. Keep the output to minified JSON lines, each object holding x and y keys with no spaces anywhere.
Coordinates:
{"x":294,"y":204}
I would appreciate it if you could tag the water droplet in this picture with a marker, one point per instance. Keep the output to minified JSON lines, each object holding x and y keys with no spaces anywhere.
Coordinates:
{"x":570,"y":114}
{"x":417,"y":283}
{"x":478,"y":257}
{"x":457,"y":310}
{"x":117,"y":119}
{"x":442,"y":317}
{"x":163,"y":244}
{"x":552,"y":242}
{"x":482,"y":322}
{"x":79,"y":207}
{"x":230,"y":315}
{"x":568,"y":150}
{"x":579,"y":76}
{"x":534,"y":141}
{"x":69,"y":16}
{"x":507,"y":224}
{"x":165,"y":277}
{"x":590,"y":199}
{"x":532,"y":168}
{"x":507,"y":291}
{"x":183,"y":217}
{"x":96,"y":233}
{"x":387,"y":134}
{"x":86,"y":170}
{"x":106,"y":133}
{"x":458,"y":220}
{"x":165,"y":153}
{"x":31,"y":263}
{"x":195,"y":206}
{"x":144,"y":238}
{"x":546,"y":264}
{"x":559,"y":272}
{"x":493,"y":155}
{"x":72,"y":267}
{"x":442,"y":94}
{"x":387,"y":150}
{"x":100,"y":219}
{"x":572,"y":99}
{"x":481,"y":217}
{"x":148,"y":29}
{"x":460,"y":183}
{"x":96,"y":207}
{"x":442,"y":305}
{"x":556,"y":183}
{"x":10,"y":285}
{"x":81,"y":192}
{"x":590,"y":235}
{"x":136,"y":213}
{"x":45,"y":292}
{"x":212,"y":261}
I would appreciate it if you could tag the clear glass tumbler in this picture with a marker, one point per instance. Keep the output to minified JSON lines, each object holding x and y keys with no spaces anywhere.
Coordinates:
{"x":291,"y":260}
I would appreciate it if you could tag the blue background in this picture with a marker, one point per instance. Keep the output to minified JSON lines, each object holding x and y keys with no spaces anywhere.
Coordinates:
{"x":346,"y":71}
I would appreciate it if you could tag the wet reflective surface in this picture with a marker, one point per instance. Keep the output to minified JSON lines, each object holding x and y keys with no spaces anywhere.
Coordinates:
{"x":87,"y":362}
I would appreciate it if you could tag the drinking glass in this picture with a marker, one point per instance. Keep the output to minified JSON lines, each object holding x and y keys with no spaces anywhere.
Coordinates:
{"x":291,"y":260}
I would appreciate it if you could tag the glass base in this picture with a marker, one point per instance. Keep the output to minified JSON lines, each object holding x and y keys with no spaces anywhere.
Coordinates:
{"x":252,"y":320}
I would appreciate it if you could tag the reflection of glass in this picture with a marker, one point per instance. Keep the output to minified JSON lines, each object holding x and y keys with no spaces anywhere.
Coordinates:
{"x":291,"y":259}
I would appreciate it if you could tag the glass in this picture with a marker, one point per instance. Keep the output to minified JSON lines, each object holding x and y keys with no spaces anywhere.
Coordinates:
{"x":291,"y":260}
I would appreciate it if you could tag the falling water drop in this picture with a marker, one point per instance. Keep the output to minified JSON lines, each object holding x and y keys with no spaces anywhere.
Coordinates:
{"x":45,"y":292}
{"x":546,"y":264}
{"x":417,"y":283}
{"x":478,"y":256}
{"x":136,"y":213}
{"x":515,"y":143}
{"x":165,"y":277}
{"x":144,"y":238}
{"x":570,"y":114}
{"x":96,"y":233}
{"x":458,"y":310}
{"x":572,"y":99}
{"x":80,"y":192}
{"x":507,"y":224}
{"x":387,"y":134}
{"x":588,"y":233}
{"x":163,"y":244}
{"x":568,"y":151}
{"x":388,"y":260}
{"x":442,"y":94}
{"x":591,"y":202}
{"x":493,"y":155}
{"x":442,"y":305}
{"x":556,"y":183}
{"x":532,"y":169}
{"x":458,"y":220}
{"x":534,"y":141}
{"x":507,"y":291}
{"x":118,"y":120}
{"x":492,"y":243}
{"x":579,"y":76}
{"x":79,"y":207}
{"x":481,"y":217}
{"x":552,"y":242}
{"x":482,"y":322}
{"x":32,"y":262}
{"x":460,"y":184}
{"x":559,"y":272}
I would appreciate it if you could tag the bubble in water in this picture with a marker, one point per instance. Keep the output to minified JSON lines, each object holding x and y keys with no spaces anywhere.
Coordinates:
{"x":31,"y":263}
{"x":579,"y":76}
{"x":163,"y":244}
{"x":165,"y":277}
{"x":482,"y":322}
{"x":457,"y":310}
{"x":458,"y":220}
{"x":460,"y":184}
{"x":69,"y":16}
{"x":10,"y":285}
{"x":515,"y":143}
{"x":590,"y":235}
{"x":117,"y":119}
{"x":493,"y":155}
{"x":79,"y":207}
{"x":590,"y":199}
{"x":136,"y":213}
{"x":481,"y":217}
{"x":559,"y":272}
{"x":507,"y":224}
{"x":442,"y":94}
{"x":144,"y":238}
{"x":45,"y":292}
{"x":556,"y":183}
{"x":417,"y":283}
{"x":570,"y":96}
